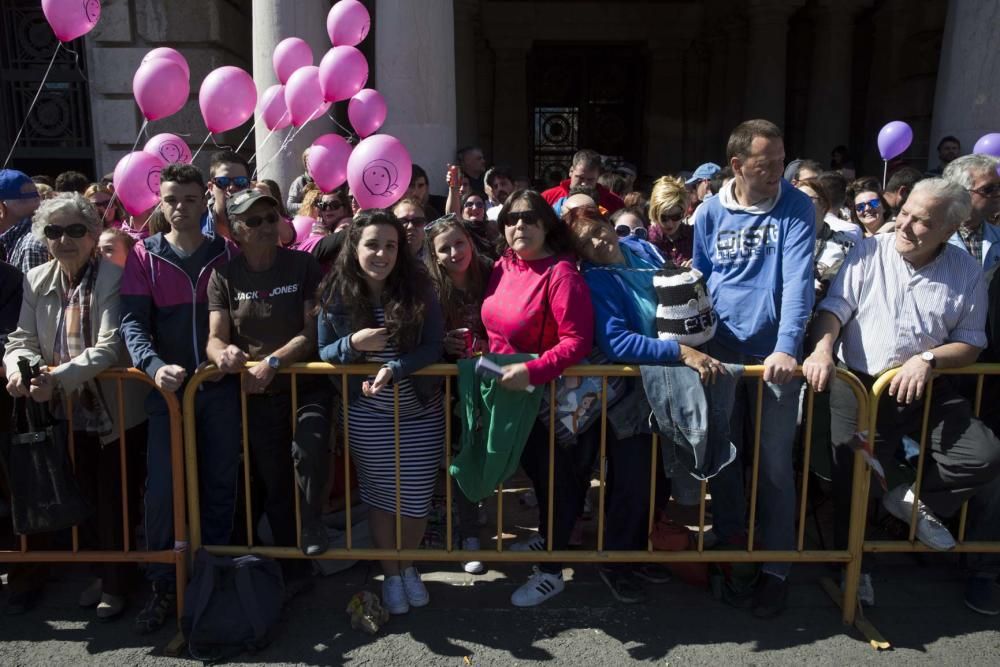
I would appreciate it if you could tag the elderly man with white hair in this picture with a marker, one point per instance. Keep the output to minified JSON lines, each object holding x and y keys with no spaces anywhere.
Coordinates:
{"x":980,"y":234}
{"x":910,"y":300}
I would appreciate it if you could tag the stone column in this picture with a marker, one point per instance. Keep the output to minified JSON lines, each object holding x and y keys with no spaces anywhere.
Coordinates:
{"x":766,"y":57}
{"x":415,"y":71}
{"x":664,"y":117}
{"x":511,"y":129}
{"x":967,"y":98}
{"x":273,"y":21}
{"x":829,"y":106}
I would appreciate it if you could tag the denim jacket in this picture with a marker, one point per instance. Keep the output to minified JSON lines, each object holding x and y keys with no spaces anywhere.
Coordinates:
{"x":335,"y":348}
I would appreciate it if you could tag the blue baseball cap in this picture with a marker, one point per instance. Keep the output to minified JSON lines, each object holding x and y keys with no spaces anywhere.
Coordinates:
{"x":703,"y":173}
{"x":11,"y":182}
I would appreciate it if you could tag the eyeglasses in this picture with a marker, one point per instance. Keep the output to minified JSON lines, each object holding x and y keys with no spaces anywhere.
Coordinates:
{"x":55,"y":232}
{"x":624,"y":231}
{"x":676,"y":217}
{"x":416,"y":222}
{"x":991,"y":191}
{"x":258,"y":220}
{"x":474,"y":204}
{"x":101,"y":204}
{"x":873,"y":204}
{"x":329,"y":205}
{"x":225,"y":181}
{"x":527,"y":217}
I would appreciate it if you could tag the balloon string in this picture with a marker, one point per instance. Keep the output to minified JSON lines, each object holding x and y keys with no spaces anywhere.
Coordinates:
{"x":76,"y":63}
{"x":281,"y":149}
{"x":114,"y":195}
{"x":31,"y":108}
{"x":351,"y":137}
{"x":249,"y":132}
{"x":885,"y":173}
{"x":264,"y":143}
{"x":207,"y":137}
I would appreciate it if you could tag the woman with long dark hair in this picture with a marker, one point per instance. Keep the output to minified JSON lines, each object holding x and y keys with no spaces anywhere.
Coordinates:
{"x":377,"y":307}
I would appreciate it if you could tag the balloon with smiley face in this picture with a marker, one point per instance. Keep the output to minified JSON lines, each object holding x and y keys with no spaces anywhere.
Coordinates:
{"x":71,"y":19}
{"x":170,"y":147}
{"x":379,"y":171}
{"x":137,"y":181}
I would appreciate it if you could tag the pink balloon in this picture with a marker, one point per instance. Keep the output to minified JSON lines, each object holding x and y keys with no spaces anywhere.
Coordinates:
{"x":273,"y":110}
{"x":227,"y":98}
{"x":304,"y":96}
{"x":303,"y":225}
{"x":289,"y":55}
{"x":137,"y":181}
{"x":378,"y":171}
{"x":160,"y":88}
{"x":169,"y":147}
{"x":348,"y":23}
{"x":173,"y":55}
{"x":342,"y":73}
{"x":328,"y":161}
{"x":366,"y":111}
{"x":71,"y":18}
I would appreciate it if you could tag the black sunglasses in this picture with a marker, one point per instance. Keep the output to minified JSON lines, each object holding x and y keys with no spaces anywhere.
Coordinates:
{"x":676,"y":217}
{"x":258,"y":220}
{"x":75,"y":231}
{"x":225,"y":181}
{"x":987,"y":191}
{"x":527,"y":217}
{"x":329,"y":205}
{"x":416,"y":222}
{"x":624,"y":231}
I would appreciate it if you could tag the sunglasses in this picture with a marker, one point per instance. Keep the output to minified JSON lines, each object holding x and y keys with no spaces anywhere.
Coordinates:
{"x":473,"y":204}
{"x":527,"y":217}
{"x":101,"y":204}
{"x":676,"y":217}
{"x":258,"y":220}
{"x":225,"y":181}
{"x":873,"y":204}
{"x":990,"y":191}
{"x":624,"y":231}
{"x":416,"y":222}
{"x":55,"y":232}
{"x":329,"y":205}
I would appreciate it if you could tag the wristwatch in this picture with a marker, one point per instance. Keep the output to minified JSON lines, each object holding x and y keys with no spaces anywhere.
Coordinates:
{"x":273,"y":362}
{"x":929,"y":358}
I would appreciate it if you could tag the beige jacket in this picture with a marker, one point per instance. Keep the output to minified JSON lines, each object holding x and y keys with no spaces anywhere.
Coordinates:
{"x":36,"y":332}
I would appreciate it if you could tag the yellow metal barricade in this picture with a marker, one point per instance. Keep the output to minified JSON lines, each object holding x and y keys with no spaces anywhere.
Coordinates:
{"x":177,"y":556}
{"x":599,"y":555}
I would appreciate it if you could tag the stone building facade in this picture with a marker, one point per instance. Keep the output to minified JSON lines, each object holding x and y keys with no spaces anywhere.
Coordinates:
{"x":659,"y":83}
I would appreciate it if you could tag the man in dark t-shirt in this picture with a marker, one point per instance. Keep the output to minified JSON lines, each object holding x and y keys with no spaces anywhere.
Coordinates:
{"x":260,"y":309}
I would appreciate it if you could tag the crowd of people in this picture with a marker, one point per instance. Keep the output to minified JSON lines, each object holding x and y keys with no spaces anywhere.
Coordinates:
{"x":757,"y":262}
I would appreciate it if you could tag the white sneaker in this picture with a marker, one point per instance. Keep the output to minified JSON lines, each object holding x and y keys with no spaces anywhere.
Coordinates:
{"x":930,"y":530}
{"x":866,"y":591}
{"x":539,"y":588}
{"x":416,"y":592}
{"x":472,"y":566}
{"x":534,"y":543}
{"x":394,"y":596}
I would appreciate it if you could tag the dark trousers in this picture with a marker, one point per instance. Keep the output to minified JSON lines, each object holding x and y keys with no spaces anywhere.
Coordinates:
{"x":963,"y":455}
{"x":570,"y":482}
{"x":284,"y":460}
{"x":626,"y":521}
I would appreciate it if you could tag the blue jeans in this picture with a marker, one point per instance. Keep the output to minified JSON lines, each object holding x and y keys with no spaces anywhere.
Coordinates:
{"x":776,"y":480}
{"x":217,"y":419}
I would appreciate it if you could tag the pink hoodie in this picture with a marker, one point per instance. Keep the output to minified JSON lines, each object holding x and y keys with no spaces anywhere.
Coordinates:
{"x":525,"y":296}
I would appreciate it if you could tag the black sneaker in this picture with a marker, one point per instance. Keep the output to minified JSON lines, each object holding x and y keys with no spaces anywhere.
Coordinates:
{"x":22,"y":602}
{"x":653,"y":573}
{"x":771,"y":596}
{"x":623,"y":585}
{"x":162,"y":603}
{"x":315,"y":540}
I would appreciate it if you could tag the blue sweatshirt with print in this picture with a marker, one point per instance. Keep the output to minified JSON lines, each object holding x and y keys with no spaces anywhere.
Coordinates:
{"x":759,"y":268}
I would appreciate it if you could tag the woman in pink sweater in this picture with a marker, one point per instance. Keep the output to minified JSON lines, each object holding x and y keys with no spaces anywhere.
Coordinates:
{"x":537,"y":302}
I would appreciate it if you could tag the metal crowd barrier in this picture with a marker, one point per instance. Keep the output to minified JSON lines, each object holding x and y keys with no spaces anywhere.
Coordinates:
{"x":177,"y":556}
{"x":800,"y":554}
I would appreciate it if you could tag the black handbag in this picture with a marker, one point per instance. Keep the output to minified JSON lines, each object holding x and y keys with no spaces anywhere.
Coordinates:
{"x":44,"y":494}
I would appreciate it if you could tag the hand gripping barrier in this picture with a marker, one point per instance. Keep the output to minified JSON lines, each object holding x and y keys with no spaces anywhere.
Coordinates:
{"x":177,"y":556}
{"x":600,"y":555}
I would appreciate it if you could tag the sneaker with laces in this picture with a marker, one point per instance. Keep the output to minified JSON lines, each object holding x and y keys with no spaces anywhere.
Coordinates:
{"x":623,"y":584}
{"x":930,"y":530}
{"x":394,"y":596}
{"x":416,"y":592}
{"x":979,"y":595}
{"x":534,"y":543}
{"x":159,"y":607}
{"x":315,"y":539}
{"x":472,"y":566}
{"x":540,"y":587}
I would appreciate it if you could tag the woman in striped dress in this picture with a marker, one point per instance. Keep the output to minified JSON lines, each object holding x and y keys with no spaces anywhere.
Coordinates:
{"x":379,"y":307}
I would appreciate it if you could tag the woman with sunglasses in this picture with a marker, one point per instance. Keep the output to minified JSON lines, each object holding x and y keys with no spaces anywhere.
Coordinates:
{"x":630,"y":221}
{"x":410,"y":213}
{"x":868,"y":207}
{"x":374,"y":307}
{"x":69,"y":318}
{"x":100,"y":196}
{"x":668,"y":230}
{"x":483,"y":231}
{"x":329,"y":211}
{"x":537,"y":302}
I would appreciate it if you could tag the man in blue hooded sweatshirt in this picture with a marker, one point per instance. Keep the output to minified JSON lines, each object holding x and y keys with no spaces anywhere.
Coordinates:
{"x":754,"y":245}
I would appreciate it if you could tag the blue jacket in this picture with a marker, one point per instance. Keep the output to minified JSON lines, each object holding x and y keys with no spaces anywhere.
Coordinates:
{"x":991,"y":245}
{"x":759,"y":269}
{"x":335,"y":348}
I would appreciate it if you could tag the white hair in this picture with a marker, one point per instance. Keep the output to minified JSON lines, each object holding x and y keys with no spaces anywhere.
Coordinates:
{"x":959,"y":202}
{"x":963,"y":170}
{"x":66,"y":202}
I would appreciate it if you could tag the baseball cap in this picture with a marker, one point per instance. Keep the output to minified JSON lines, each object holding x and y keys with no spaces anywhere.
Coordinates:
{"x":241,"y":202}
{"x":11,"y":182}
{"x":703,"y":172}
